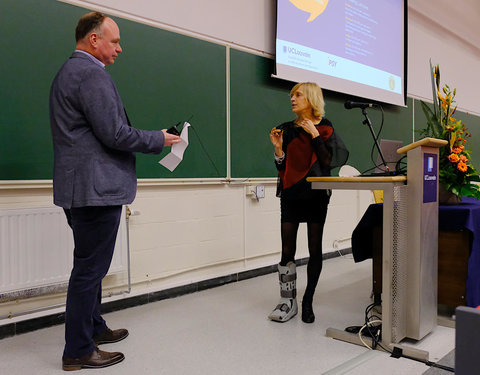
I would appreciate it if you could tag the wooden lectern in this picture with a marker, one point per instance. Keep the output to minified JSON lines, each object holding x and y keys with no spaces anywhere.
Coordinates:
{"x":409,"y":245}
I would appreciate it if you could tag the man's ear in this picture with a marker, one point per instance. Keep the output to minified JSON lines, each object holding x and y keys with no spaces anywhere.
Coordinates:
{"x":93,"y":39}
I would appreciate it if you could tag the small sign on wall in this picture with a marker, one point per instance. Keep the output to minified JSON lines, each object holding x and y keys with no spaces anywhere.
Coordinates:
{"x":430,"y":178}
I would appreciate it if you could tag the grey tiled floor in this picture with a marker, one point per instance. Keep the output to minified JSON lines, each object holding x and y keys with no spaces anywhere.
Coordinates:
{"x":225,"y":330}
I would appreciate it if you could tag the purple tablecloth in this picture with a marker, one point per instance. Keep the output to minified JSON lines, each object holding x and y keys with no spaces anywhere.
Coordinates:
{"x":464,"y":216}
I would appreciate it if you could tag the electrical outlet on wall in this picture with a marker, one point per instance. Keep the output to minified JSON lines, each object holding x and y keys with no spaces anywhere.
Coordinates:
{"x":255,"y":191}
{"x":260,"y":191}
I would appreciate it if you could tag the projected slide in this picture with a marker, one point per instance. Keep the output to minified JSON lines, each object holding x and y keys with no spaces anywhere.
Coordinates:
{"x":360,"y":42}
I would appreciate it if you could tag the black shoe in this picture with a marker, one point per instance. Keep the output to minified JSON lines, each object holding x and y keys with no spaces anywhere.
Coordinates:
{"x":307,"y":312}
{"x":110,"y":336}
{"x":96,"y":359}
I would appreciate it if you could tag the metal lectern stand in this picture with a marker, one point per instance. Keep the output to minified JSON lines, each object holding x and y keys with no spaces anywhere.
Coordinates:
{"x":409,"y":246}
{"x":422,"y":175}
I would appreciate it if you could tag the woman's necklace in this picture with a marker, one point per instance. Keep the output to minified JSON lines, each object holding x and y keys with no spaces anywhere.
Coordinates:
{"x":315,"y":121}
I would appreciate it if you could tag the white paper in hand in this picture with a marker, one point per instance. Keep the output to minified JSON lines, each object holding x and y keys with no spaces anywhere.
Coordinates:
{"x":175,"y":156}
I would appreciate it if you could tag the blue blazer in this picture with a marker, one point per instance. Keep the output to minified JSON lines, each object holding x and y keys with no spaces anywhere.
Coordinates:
{"x":93,"y":143}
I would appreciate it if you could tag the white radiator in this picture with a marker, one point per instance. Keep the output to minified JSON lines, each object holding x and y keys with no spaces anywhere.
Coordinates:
{"x":36,"y":251}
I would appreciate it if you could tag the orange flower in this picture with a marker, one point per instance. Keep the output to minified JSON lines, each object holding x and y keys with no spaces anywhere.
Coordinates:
{"x":453,"y":158}
{"x":462,"y":167}
{"x":456,"y":150}
{"x":461,"y":147}
{"x":463,"y":158}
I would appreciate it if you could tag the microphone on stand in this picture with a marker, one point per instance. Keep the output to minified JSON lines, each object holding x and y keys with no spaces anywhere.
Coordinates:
{"x":349,"y":105}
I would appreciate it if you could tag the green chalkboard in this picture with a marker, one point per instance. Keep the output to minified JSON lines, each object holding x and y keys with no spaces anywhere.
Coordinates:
{"x":163,"y":78}
{"x":258,"y":103}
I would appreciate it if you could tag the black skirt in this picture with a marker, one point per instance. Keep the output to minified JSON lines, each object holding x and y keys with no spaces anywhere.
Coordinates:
{"x":311,"y":210}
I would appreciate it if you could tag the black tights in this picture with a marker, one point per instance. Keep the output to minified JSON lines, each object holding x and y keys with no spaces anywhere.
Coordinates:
{"x":289,"y":247}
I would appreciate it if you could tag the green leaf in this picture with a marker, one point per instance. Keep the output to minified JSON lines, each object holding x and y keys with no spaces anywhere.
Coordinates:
{"x":435,"y":83}
{"x":455,"y":190}
{"x":434,"y":128}
{"x":469,"y":191}
{"x":474,"y":177}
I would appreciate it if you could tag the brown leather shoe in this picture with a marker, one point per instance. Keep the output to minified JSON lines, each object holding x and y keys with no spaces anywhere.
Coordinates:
{"x":96,"y":359}
{"x":110,"y":336}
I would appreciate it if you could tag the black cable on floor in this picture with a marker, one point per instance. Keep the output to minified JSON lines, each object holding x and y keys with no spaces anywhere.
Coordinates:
{"x":375,"y":334}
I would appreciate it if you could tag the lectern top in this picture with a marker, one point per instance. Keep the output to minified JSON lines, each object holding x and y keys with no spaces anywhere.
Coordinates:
{"x":358,"y":179}
{"x":428,"y":142}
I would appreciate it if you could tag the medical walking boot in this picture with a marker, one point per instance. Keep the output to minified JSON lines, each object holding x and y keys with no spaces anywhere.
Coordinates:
{"x":287,"y":307}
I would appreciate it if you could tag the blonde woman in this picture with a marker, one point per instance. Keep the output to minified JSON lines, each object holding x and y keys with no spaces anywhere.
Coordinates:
{"x":307,"y":146}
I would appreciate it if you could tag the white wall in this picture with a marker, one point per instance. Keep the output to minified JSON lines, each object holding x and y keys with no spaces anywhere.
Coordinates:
{"x":246,"y":23}
{"x":448,"y":34}
{"x":181,"y":234}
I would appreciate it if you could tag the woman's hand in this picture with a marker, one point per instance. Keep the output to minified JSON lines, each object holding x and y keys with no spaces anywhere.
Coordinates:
{"x":276,"y":136}
{"x":309,"y":127}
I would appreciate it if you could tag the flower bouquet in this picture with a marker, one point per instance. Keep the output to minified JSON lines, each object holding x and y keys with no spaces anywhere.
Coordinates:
{"x":456,"y":171}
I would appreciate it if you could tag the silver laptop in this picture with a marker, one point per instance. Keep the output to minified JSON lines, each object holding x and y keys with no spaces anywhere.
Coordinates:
{"x":389,"y":150}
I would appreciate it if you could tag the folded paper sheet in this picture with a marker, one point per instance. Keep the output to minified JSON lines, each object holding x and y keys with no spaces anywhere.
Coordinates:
{"x":175,"y":156}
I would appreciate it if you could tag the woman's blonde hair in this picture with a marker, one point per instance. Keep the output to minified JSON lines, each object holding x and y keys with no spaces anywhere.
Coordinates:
{"x":313,"y":93}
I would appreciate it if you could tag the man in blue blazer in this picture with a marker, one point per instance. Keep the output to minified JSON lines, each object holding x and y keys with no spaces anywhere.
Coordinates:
{"x":94,"y":175}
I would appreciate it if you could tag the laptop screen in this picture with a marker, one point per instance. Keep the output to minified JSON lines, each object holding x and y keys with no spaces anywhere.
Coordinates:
{"x":389,"y":150}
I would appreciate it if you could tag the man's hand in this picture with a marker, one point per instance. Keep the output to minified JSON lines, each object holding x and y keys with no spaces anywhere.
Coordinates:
{"x":170,"y":139}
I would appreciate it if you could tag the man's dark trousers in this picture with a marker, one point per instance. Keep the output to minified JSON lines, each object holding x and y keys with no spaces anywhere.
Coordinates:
{"x":94,"y":233}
